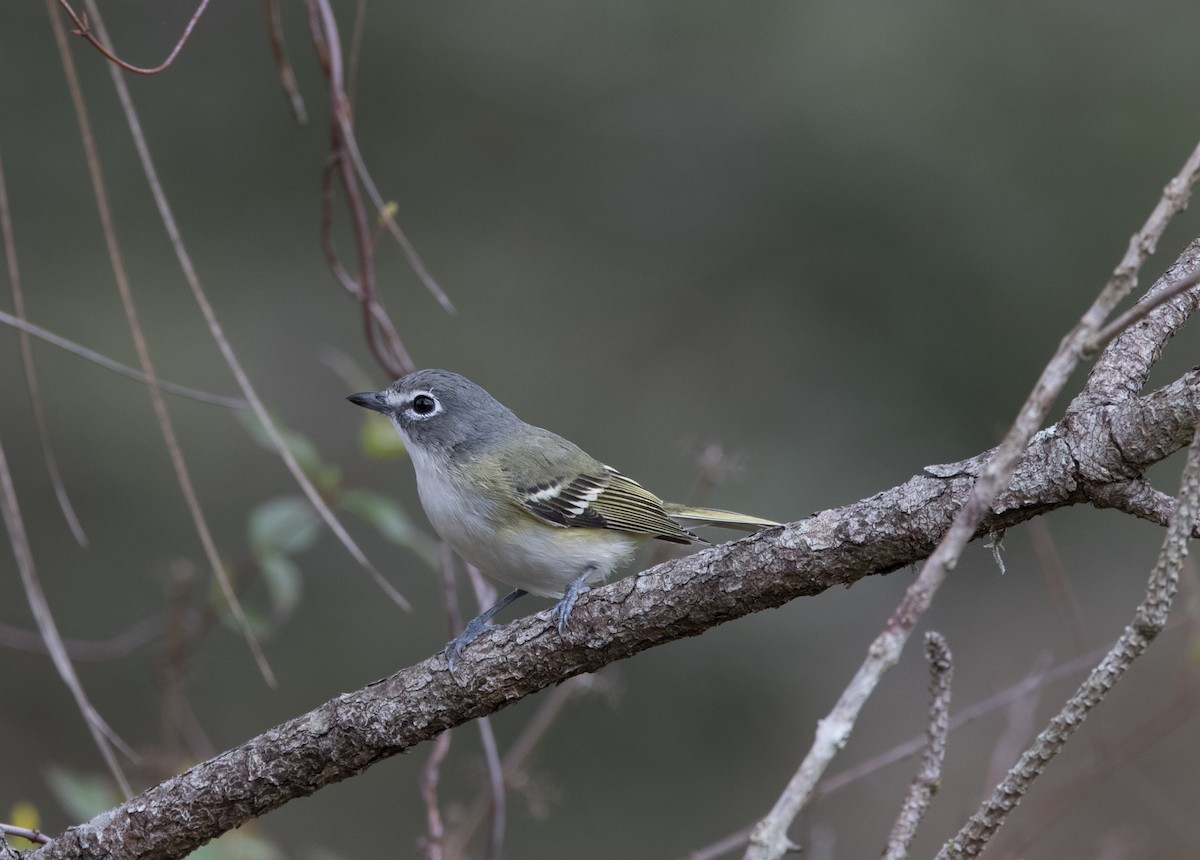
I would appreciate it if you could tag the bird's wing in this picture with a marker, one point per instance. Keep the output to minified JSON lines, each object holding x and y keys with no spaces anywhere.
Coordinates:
{"x":603,"y":500}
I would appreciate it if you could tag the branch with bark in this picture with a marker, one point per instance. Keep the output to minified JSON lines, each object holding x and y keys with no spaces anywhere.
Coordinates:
{"x":1096,"y":455}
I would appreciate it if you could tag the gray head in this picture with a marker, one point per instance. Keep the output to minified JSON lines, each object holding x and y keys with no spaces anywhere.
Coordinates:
{"x":440,"y":411}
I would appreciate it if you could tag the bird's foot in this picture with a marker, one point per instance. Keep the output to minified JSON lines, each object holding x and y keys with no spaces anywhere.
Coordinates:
{"x":474,"y":629}
{"x":562,"y":610}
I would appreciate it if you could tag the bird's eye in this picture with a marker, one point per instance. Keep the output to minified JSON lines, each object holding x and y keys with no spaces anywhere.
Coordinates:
{"x":424,"y":404}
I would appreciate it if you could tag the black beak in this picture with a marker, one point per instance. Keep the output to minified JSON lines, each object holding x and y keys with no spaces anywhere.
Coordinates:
{"x":372,"y":400}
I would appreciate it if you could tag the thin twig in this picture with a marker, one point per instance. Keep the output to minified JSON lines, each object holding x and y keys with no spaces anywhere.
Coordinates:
{"x":1124,"y":749}
{"x":356,"y":39}
{"x":435,"y":829}
{"x":892,"y":529}
{"x":31,"y":382}
{"x":218,"y":335}
{"x":116,"y":366}
{"x":382,"y":320}
{"x":385,"y":212}
{"x":433,"y":842}
{"x":516,"y":760}
{"x":495,"y":782}
{"x":287,"y":77}
{"x":182,"y":475}
{"x":89,"y":650}
{"x":1036,"y":680}
{"x":389,"y":352}
{"x":82,"y":29}
{"x":324,"y":28}
{"x":1137,"y":313}
{"x":1148,"y":621}
{"x":102,"y":734}
{"x":769,"y":840}
{"x":35,"y":836}
{"x":929,"y":775}
{"x":485,"y":596}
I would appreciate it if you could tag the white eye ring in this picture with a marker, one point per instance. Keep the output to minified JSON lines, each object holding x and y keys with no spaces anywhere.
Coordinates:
{"x":423,"y":405}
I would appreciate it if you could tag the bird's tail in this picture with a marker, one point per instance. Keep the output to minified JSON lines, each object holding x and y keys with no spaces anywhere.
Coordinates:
{"x":690,"y":517}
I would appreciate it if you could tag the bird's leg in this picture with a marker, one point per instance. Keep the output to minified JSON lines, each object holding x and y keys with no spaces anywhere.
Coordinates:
{"x":578,"y":586}
{"x":475,"y":626}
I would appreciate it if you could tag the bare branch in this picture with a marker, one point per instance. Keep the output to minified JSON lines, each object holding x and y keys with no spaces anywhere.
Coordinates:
{"x":116,"y":366}
{"x":1147,"y":623}
{"x":82,"y":29}
{"x":435,"y":830}
{"x":496,"y":792}
{"x":769,"y":840}
{"x":287,"y":78}
{"x":102,"y":734}
{"x":519,"y":753}
{"x":31,"y":382}
{"x":35,"y":836}
{"x":121,"y":645}
{"x":1138,"y":312}
{"x":925,"y":784}
{"x":167,"y":428}
{"x":390,"y":352}
{"x":218,"y":333}
{"x":682,"y":597}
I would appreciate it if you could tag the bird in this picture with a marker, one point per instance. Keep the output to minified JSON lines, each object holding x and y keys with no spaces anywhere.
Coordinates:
{"x":522,"y":504}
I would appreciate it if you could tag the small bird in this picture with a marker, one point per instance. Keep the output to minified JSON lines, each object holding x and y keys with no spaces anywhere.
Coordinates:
{"x":522,"y":504}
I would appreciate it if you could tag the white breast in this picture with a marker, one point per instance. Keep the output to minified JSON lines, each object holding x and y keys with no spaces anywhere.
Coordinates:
{"x":520,"y":551}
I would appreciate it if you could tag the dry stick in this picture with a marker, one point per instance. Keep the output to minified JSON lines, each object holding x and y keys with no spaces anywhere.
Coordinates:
{"x":324,"y":28}
{"x":431,"y":773}
{"x":1126,"y":749}
{"x":485,"y":596}
{"x":82,"y":29}
{"x":182,"y":476}
{"x":382,"y":320}
{"x":356,"y":38}
{"x":925,"y":784}
{"x":495,"y":774}
{"x":104,"y":736}
{"x":435,"y":829}
{"x":1138,"y":312}
{"x":35,"y":836}
{"x":287,"y":78}
{"x":218,"y":334}
{"x":1132,"y":744}
{"x":685,"y":597}
{"x":769,"y":840}
{"x":1031,"y":683}
{"x":116,"y":366}
{"x":31,"y":382}
{"x":395,"y":360}
{"x":1148,"y":621}
{"x":94,"y":650}
{"x":518,"y":755}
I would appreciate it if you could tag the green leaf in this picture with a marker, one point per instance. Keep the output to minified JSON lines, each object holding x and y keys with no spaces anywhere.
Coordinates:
{"x":381,"y":511}
{"x":82,"y":795}
{"x":286,"y":524}
{"x":284,"y":584}
{"x":302,"y":449}
{"x":379,"y":439}
{"x":258,"y":623}
{"x":389,"y":517}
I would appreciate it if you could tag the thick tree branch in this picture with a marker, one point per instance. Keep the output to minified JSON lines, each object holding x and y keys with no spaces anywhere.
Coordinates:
{"x":1148,"y":621}
{"x":1066,"y":464}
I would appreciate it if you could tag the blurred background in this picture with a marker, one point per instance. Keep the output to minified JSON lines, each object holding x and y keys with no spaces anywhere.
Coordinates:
{"x":840,"y":240}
